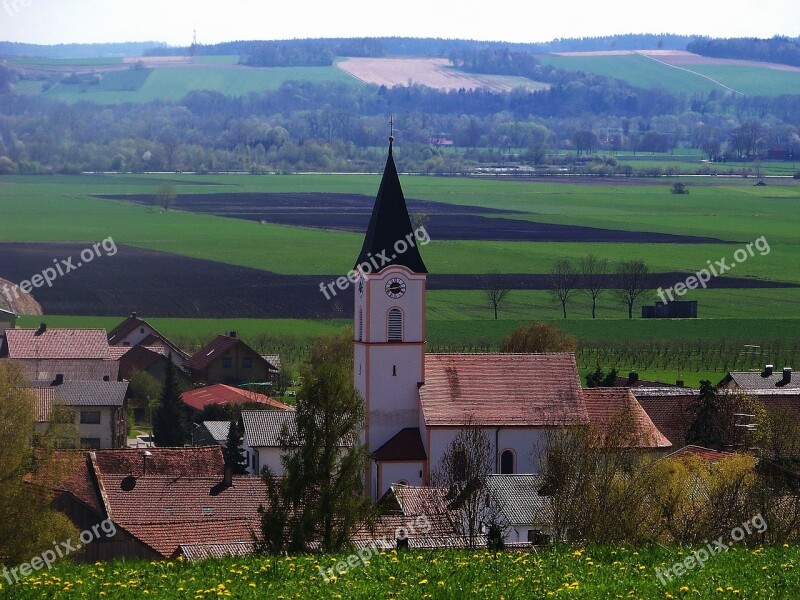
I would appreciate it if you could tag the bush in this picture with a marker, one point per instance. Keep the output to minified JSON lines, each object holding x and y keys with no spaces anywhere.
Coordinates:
{"x":679,"y":188}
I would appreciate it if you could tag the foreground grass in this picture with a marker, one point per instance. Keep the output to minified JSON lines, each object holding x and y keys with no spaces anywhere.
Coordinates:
{"x":561,"y":572}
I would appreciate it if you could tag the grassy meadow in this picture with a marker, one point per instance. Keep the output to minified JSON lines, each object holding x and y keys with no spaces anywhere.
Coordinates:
{"x":62,"y":209}
{"x":594,"y":572}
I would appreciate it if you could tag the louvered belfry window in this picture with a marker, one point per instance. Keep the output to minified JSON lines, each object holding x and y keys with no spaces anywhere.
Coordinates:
{"x":395,"y":325}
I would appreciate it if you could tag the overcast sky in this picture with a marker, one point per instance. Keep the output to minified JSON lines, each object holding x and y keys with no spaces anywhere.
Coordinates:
{"x":172,"y":21}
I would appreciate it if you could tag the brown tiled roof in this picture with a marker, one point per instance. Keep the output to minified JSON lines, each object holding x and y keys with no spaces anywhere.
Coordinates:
{"x":118,"y":352}
{"x":220,"y":393}
{"x":215,"y":550}
{"x":176,"y":462}
{"x":166,"y":538}
{"x":671,"y":411}
{"x":708,"y":454}
{"x":57,"y":344}
{"x":502,"y":389}
{"x":137,"y":358}
{"x":120,"y":331}
{"x":406,"y":445}
{"x":44,"y":402}
{"x":614,"y":407}
{"x":208,"y":353}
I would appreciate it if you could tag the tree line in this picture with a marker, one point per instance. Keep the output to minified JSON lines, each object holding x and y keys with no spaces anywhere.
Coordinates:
{"x":778,"y":49}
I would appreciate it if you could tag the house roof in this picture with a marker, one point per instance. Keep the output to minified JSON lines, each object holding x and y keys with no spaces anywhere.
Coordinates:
{"x":399,"y":507}
{"x":405,"y":446}
{"x":203,"y":551}
{"x":136,"y":358}
{"x":672,"y":411}
{"x":175,"y":462}
{"x":220,"y":393}
{"x":116,"y":335}
{"x":707,"y":454}
{"x":390,"y":223}
{"x":78,"y":393}
{"x":755,"y":380}
{"x":213,"y":350}
{"x":273,"y":359}
{"x":167,"y":538}
{"x":118,"y":352}
{"x":610,"y":409}
{"x":218,"y":429}
{"x":502,"y":389}
{"x":517,"y":497}
{"x":262,"y":428}
{"x":57,"y":344}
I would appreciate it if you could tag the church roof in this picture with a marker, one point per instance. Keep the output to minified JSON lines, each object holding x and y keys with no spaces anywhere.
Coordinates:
{"x":502,"y":389}
{"x":406,"y":446}
{"x":618,"y":419}
{"x":389,"y":224}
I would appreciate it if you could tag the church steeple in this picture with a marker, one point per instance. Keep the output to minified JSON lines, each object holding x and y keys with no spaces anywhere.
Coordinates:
{"x":390,"y":223}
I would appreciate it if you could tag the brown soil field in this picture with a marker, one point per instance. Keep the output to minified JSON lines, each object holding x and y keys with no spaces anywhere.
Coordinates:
{"x":166,"y":285}
{"x":351,"y":212}
{"x":431,"y":72}
{"x":25,"y":304}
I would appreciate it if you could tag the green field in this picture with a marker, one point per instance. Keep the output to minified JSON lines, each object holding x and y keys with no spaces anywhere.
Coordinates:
{"x":59,"y":208}
{"x":173,"y":83}
{"x":594,"y":572}
{"x":644,"y":72}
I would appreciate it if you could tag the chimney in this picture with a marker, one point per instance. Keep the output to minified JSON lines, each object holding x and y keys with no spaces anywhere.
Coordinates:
{"x":133,"y":315}
{"x":787,"y":376}
{"x":679,"y":383}
{"x":767,"y":370}
{"x":106,"y":377}
{"x":42,"y":329}
{"x":59,"y":379}
{"x":232,"y":334}
{"x":227,"y":479}
{"x":633,"y":377}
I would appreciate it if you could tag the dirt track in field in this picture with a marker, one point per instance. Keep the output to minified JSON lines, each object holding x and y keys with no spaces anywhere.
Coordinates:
{"x":679,"y":58}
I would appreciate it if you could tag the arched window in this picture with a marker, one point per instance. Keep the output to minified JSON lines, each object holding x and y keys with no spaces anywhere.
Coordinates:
{"x":360,"y":324}
{"x":507,"y":462}
{"x":395,"y":325}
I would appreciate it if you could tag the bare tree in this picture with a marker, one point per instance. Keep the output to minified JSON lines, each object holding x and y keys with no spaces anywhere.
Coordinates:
{"x":632,"y":281}
{"x":463,"y":469}
{"x":595,"y":277}
{"x":563,"y":279}
{"x":495,"y":290}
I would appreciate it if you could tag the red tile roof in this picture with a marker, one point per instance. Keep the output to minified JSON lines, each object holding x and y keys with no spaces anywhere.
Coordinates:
{"x":220,"y":393}
{"x":175,"y":462}
{"x":405,"y":446}
{"x":167,"y":537}
{"x":708,"y":454}
{"x":671,"y":411}
{"x":120,"y":331}
{"x":502,"y":389}
{"x":610,"y":409}
{"x":57,"y":344}
{"x":118,"y":352}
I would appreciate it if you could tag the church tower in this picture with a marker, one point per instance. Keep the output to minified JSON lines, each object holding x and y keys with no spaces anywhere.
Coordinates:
{"x":389,"y":328}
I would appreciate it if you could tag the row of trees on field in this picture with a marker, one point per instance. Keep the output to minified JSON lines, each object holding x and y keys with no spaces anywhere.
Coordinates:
{"x":590,"y":276}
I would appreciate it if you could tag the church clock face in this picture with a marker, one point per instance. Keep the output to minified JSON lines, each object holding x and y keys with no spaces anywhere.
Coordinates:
{"x":395,"y":287}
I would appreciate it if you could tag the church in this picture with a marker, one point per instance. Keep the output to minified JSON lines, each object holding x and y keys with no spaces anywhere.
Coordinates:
{"x":416,"y":403}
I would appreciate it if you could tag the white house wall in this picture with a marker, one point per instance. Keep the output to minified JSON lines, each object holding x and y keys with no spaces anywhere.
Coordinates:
{"x":523,"y":441}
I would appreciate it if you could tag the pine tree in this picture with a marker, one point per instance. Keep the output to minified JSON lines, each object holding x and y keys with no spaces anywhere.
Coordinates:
{"x":171,"y":427}
{"x":706,"y":430}
{"x":233,"y":453}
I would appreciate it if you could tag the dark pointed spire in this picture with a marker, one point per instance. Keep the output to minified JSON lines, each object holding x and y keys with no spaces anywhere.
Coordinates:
{"x":390,"y":224}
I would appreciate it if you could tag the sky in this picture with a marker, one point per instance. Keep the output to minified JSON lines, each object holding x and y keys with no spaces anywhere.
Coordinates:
{"x":172,"y":21}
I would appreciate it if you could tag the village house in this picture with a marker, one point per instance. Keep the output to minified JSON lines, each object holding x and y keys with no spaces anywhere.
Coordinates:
{"x":99,"y":409}
{"x":164,"y":503}
{"x":262,"y":438}
{"x":227,"y":359}
{"x":56,"y":355}
{"x":134,"y":331}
